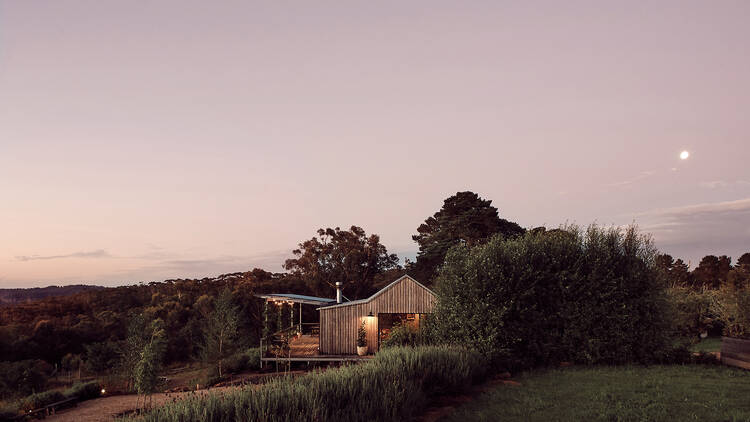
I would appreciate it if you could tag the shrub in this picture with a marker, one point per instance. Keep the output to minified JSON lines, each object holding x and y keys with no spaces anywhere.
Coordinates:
{"x":588,"y":296}
{"x":692,"y":312}
{"x":404,"y":335}
{"x":253,"y":358}
{"x":84,"y":391}
{"x":8,"y":411}
{"x":23,"y":377}
{"x":242,"y":361}
{"x":35,"y":401}
{"x":732,"y":305}
{"x":362,"y":335}
{"x":393,"y":386}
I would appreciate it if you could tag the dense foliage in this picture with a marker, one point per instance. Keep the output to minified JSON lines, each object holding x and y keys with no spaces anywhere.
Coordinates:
{"x":711,"y":273}
{"x":732,"y":305}
{"x":464,"y":218}
{"x":400,"y":378}
{"x":93,"y":325}
{"x":565,"y":295}
{"x":349,"y":256}
{"x":692,"y":312}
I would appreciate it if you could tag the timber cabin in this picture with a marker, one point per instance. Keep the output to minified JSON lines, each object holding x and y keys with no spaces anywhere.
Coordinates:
{"x":334,"y":338}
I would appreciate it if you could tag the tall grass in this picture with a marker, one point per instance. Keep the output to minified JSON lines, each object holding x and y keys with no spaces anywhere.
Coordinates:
{"x":393,"y":386}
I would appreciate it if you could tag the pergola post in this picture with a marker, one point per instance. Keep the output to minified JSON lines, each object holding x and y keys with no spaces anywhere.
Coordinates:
{"x":291,"y":314}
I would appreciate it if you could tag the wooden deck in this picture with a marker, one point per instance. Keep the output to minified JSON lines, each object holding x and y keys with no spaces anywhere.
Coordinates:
{"x":305,"y":349}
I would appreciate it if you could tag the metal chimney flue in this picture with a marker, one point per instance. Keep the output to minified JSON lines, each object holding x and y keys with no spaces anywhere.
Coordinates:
{"x":338,"y":292}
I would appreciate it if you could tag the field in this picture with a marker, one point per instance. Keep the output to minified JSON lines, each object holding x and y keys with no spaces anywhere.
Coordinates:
{"x":630,"y":393}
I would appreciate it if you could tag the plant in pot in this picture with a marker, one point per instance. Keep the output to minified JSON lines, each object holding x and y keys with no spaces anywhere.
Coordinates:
{"x":362,"y":340}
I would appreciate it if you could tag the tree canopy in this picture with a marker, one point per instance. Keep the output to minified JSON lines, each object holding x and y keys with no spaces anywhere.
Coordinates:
{"x":464,"y":218}
{"x":347,"y":256}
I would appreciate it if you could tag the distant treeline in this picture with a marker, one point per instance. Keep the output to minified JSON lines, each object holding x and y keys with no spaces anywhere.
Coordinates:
{"x":712,"y":272}
{"x":13,"y":296}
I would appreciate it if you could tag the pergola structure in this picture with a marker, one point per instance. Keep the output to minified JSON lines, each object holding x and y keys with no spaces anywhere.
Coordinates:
{"x":284,"y":334}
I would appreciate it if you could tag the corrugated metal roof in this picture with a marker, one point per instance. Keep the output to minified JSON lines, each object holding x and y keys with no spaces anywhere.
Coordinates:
{"x":291,"y":297}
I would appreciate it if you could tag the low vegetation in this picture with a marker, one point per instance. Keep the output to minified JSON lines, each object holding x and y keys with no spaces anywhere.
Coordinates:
{"x":626,"y":393}
{"x":395,"y":385}
{"x":80,"y":392}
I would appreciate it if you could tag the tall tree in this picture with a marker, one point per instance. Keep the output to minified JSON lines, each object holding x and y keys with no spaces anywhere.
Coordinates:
{"x":739,"y":277}
{"x":347,"y":256}
{"x":680,"y":274}
{"x":664,"y":264}
{"x":220,"y":330}
{"x":465,"y":217}
{"x":712,"y":271}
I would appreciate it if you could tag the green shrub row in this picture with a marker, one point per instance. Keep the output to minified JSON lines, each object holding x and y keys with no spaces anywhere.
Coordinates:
{"x":83,"y":391}
{"x":586,"y":296}
{"x":395,"y":385}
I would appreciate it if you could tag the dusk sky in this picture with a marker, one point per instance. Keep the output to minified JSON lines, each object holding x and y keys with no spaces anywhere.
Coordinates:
{"x":141,"y":141}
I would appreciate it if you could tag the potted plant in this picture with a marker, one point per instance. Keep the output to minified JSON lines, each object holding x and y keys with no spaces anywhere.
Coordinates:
{"x":362,"y":340}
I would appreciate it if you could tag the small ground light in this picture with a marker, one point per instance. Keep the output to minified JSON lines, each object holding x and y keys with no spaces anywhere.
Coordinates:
{"x":103,"y":391}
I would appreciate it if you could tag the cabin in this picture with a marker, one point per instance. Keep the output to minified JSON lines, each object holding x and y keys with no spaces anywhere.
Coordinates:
{"x":334,"y":338}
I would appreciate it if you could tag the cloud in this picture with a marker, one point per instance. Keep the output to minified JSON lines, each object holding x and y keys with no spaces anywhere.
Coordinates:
{"x":99,"y":253}
{"x":716,"y":184}
{"x":641,"y":176}
{"x":696,"y":230}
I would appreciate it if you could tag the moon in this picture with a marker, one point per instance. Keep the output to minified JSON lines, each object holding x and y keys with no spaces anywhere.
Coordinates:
{"x":684,"y":155}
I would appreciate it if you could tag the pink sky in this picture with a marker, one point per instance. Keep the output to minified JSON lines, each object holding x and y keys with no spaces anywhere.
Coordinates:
{"x":140,"y":142}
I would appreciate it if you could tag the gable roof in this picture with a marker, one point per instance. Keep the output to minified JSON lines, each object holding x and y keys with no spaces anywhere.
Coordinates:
{"x":378,"y":293}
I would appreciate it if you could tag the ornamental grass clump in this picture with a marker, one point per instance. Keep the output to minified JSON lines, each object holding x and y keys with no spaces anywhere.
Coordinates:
{"x":394,"y":385}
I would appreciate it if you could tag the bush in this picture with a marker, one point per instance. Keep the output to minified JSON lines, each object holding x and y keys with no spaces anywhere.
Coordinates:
{"x":84,"y":391}
{"x":588,"y":296}
{"x":35,"y":401}
{"x":394,"y":385}
{"x":23,"y":377}
{"x":732,"y":305}
{"x":404,"y":335}
{"x":8,"y":411}
{"x":692,"y":312}
{"x":242,"y":361}
{"x":253,"y":358}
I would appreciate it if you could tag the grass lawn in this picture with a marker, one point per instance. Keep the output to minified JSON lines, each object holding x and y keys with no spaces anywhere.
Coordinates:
{"x":708,"y":344}
{"x":628,"y":393}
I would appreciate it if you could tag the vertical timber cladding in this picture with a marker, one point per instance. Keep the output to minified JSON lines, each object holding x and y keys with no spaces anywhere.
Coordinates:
{"x":339,"y":323}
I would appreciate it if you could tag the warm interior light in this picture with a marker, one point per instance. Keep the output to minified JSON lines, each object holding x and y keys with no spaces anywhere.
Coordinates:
{"x":103,"y":391}
{"x":370,"y":315}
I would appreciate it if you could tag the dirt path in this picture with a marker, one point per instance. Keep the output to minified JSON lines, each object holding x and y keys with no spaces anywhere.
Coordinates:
{"x":105,"y":408}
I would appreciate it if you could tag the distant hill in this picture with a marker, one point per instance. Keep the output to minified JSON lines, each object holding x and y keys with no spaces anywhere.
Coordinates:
{"x":13,"y":296}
